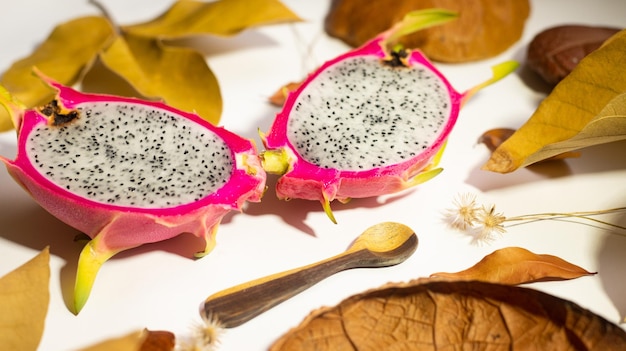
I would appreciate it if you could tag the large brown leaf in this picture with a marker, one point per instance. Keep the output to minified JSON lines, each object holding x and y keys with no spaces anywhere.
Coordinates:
{"x":516,"y":265}
{"x":588,"y":107}
{"x":24,"y":298}
{"x":483,"y":29}
{"x":437,"y":315}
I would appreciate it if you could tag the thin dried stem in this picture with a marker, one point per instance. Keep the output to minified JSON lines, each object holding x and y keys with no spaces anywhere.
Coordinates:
{"x":484,"y":222}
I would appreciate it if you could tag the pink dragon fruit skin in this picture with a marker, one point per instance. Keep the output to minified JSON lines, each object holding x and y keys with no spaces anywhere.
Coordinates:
{"x":308,"y":181}
{"x":303,"y":179}
{"x":114,"y":228}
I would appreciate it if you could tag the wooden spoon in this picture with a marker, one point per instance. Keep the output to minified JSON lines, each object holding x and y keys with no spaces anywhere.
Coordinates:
{"x":384,"y":244}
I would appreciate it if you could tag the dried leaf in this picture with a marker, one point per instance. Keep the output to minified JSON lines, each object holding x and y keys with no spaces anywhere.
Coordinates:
{"x":588,"y":107}
{"x":24,"y":298}
{"x":555,"y":52}
{"x":439,"y":315}
{"x":279,"y":97}
{"x":129,"y":342}
{"x":178,"y":75}
{"x":493,"y":138}
{"x":515,"y":265}
{"x":65,"y":56}
{"x":225,"y":17}
{"x":484,"y":28}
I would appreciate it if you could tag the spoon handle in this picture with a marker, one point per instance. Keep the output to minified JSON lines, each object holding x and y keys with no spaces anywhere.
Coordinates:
{"x":237,"y":305}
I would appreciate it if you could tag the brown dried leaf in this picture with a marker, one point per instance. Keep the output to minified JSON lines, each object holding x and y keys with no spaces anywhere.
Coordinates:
{"x":279,"y":97}
{"x":143,"y":340}
{"x":495,"y":137}
{"x":159,"y":340}
{"x":516,"y":265}
{"x":440,"y":315}
{"x":555,"y":52}
{"x":484,"y":28}
{"x":24,"y":298}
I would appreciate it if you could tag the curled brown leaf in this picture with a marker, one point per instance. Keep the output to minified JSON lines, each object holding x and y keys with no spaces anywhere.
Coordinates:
{"x":516,"y":265}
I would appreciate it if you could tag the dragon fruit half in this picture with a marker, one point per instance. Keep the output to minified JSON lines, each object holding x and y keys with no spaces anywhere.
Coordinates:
{"x":128,"y":172}
{"x":370,"y":122}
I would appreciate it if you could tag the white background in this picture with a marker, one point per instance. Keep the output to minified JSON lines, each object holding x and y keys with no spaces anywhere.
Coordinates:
{"x":158,"y":286}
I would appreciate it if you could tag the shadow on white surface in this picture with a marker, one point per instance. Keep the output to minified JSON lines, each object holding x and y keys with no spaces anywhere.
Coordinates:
{"x":611,"y":262}
{"x":295,"y":212}
{"x":595,"y":159}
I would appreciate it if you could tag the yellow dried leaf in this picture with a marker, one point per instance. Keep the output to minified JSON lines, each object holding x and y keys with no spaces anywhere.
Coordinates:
{"x":441,"y":315}
{"x":24,"y":298}
{"x":225,"y":17}
{"x":179,"y":76}
{"x":64,"y":56}
{"x":588,"y":107}
{"x":516,"y":265}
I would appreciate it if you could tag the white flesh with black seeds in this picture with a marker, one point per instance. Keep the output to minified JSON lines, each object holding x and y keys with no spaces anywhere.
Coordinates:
{"x":131,"y":155}
{"x":360,"y":114}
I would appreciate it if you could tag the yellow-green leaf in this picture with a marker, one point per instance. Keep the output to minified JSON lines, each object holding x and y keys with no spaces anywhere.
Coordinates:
{"x":225,"y":17}
{"x":586,"y":108}
{"x":64,"y":56}
{"x":179,"y":76}
{"x":24,"y":298}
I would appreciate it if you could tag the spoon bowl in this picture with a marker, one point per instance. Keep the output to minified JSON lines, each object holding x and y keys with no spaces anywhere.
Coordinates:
{"x":383,"y":237}
{"x":381,"y":245}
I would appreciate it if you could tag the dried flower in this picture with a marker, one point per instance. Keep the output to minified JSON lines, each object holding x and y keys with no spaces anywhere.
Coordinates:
{"x":205,"y":336}
{"x":483,"y":223}
{"x":463,"y":215}
{"x":491,"y":224}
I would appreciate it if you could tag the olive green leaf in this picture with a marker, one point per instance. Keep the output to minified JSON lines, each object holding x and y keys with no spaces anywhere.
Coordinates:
{"x":224,"y":18}
{"x":24,"y":298}
{"x":136,"y":53}
{"x":588,"y":107}
{"x":178,"y":75}
{"x":65,"y":56}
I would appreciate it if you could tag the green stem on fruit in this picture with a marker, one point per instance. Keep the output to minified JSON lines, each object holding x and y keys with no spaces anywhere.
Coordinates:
{"x":499,"y":71}
{"x":91,"y":259}
{"x":415,"y":21}
{"x":327,"y":209}
{"x":275,"y":161}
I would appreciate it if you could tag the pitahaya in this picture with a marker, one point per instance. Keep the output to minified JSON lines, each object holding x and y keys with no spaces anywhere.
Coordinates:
{"x":370,"y":122}
{"x":128,"y":172}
